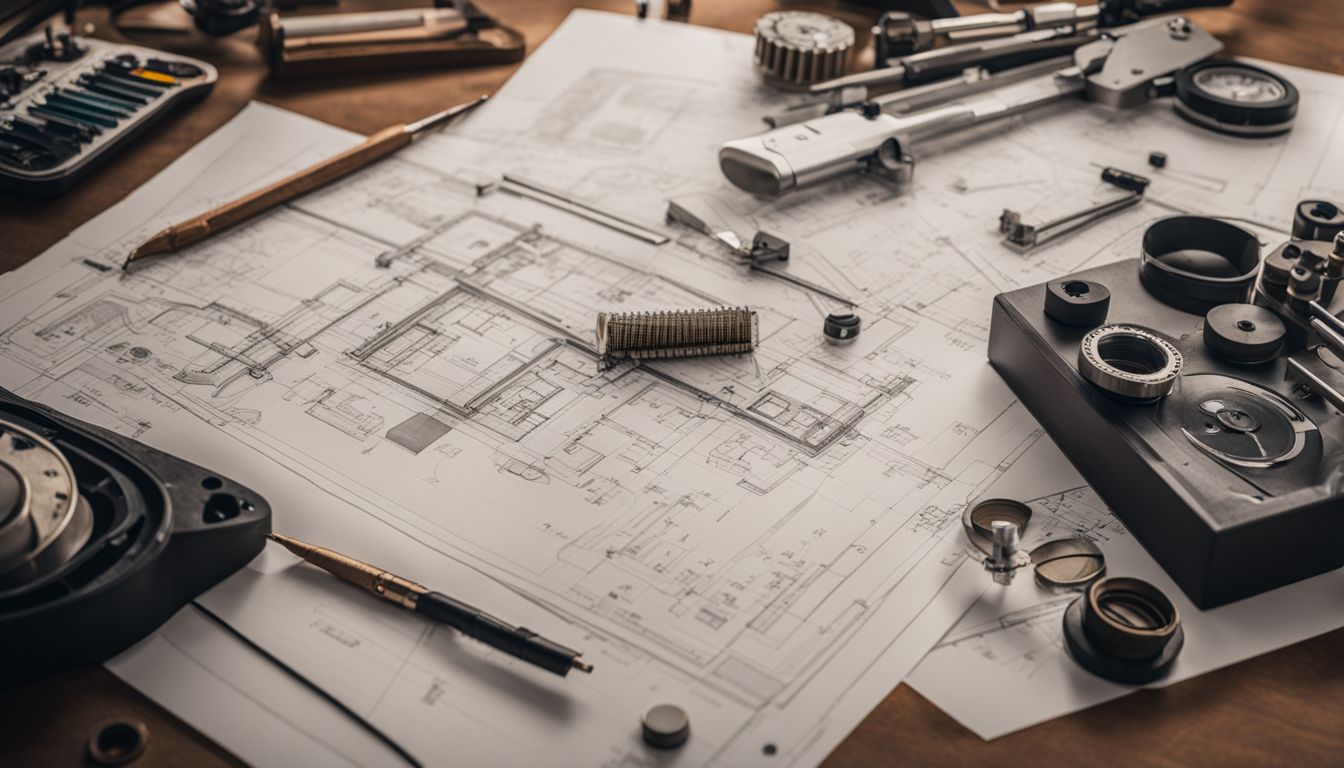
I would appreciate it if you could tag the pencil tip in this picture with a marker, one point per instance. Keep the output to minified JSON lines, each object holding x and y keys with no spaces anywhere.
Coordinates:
{"x":581,"y":665}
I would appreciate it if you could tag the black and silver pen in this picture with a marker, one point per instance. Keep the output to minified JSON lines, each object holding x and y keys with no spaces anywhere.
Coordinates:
{"x":520,"y":642}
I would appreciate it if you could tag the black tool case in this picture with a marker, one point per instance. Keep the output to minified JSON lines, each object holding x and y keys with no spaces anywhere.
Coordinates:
{"x":1220,"y":537}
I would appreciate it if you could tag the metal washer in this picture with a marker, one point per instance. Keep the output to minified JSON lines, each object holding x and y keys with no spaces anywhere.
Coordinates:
{"x":1132,"y":385}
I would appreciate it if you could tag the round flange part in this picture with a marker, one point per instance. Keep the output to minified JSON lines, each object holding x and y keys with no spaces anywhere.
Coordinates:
{"x":1244,"y":333}
{"x":1124,"y":630}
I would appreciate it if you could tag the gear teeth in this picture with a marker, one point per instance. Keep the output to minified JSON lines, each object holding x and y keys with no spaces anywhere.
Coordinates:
{"x":798,"y":48}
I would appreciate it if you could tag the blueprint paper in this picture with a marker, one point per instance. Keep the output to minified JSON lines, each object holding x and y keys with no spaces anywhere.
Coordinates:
{"x":405,"y":372}
{"x":1003,"y":667}
{"x":770,"y":541}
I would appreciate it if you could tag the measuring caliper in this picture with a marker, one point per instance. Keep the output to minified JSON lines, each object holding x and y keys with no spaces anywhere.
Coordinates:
{"x":1122,"y":68}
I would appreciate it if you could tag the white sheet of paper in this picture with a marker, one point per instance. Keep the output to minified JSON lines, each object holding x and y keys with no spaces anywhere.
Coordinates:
{"x":1003,"y":667}
{"x":407,"y":377}
{"x":770,"y":542}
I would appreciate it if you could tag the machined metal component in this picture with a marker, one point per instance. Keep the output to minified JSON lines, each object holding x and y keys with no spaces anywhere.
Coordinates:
{"x":674,"y":334}
{"x":1117,"y":70}
{"x":1002,"y":561}
{"x":995,"y":528}
{"x":1320,"y":369}
{"x":1083,"y":303}
{"x":1129,"y":362}
{"x":1022,"y":237}
{"x":43,"y":518}
{"x":1244,"y":334}
{"x":841,"y":328}
{"x":798,"y":48}
{"x":1124,"y":630}
{"x":1317,"y":220}
{"x":530,"y":189}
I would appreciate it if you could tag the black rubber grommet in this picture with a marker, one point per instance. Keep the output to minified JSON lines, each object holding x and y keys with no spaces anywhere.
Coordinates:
{"x":1084,"y":650}
{"x":1195,"y":263}
{"x":1317,"y":220}
{"x":1244,"y":333}
{"x":1077,"y":302}
{"x":117,"y":742}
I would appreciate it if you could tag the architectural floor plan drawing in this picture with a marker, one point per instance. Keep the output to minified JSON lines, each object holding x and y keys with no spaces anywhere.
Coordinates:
{"x":404,"y":365}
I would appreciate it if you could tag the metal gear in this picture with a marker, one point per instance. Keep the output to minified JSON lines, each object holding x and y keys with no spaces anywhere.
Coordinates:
{"x":798,"y":48}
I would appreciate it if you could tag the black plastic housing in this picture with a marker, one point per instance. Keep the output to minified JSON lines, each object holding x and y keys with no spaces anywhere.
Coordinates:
{"x":1199,"y":519}
{"x":164,"y":531}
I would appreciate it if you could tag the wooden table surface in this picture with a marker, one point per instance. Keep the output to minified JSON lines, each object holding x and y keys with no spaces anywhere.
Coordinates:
{"x":1284,"y":708}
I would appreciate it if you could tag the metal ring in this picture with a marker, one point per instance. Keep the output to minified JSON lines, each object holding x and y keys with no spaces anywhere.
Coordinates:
{"x":1129,"y":362}
{"x":116,"y":742}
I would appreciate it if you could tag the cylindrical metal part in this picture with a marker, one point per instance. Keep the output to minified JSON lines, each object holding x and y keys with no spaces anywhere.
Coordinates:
{"x":1129,"y":362}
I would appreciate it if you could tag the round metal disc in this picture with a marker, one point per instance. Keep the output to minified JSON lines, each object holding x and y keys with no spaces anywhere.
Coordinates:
{"x":53,"y":521}
{"x":1068,"y":563}
{"x":666,"y":726}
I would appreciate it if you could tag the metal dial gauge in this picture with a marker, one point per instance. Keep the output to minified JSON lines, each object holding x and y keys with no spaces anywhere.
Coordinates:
{"x":1236,"y":98}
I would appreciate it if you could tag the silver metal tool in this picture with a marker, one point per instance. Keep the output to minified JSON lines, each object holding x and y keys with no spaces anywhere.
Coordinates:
{"x":902,"y":33}
{"x":1122,"y":68}
{"x":1320,"y":369}
{"x":1023,"y":237}
{"x":521,"y":187}
{"x":762,"y":253}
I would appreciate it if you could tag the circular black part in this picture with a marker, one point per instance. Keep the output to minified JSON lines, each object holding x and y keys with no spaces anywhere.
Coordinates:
{"x":116,"y":742}
{"x":666,"y":726}
{"x":1318,"y":220}
{"x":1077,"y":302}
{"x":1244,"y":333}
{"x":841,"y":327}
{"x":1235,"y":98}
{"x":1195,"y":263}
{"x":1124,"y":671}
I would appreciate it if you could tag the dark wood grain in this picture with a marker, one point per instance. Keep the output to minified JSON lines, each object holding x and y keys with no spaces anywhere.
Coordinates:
{"x":1284,"y":708}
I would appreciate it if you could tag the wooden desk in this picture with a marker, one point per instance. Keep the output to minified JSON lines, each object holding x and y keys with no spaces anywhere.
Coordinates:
{"x":1283,"y":708}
